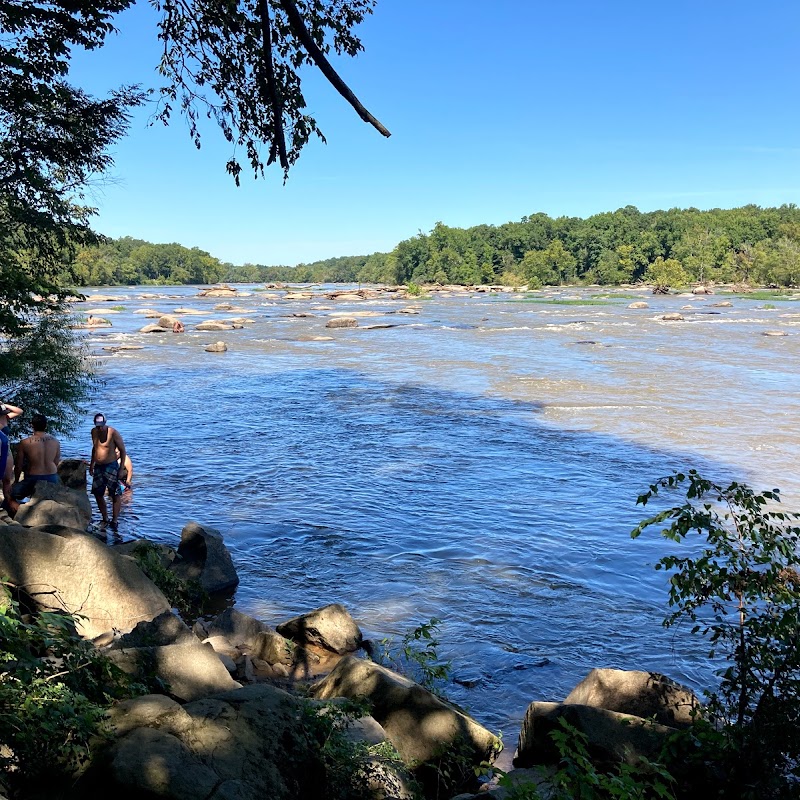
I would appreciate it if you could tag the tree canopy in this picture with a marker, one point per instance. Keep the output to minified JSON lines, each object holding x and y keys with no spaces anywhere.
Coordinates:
{"x":238,"y":62}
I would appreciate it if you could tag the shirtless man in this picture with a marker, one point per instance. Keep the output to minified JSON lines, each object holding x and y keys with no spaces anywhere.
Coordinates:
{"x":7,"y":412}
{"x":38,"y":455}
{"x":107,"y":447}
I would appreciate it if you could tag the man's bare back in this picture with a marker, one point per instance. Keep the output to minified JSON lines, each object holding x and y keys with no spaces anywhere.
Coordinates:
{"x":42,"y":453}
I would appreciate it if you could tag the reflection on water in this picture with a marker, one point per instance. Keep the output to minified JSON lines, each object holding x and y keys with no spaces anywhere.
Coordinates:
{"x":478,"y":462}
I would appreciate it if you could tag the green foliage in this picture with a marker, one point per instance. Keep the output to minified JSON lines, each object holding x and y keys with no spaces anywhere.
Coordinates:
{"x":54,"y":688}
{"x":576,"y":775}
{"x":46,"y":369}
{"x":188,"y":597}
{"x":665,"y":274}
{"x":740,"y":589}
{"x":417,"y":656}
{"x":349,"y":767}
{"x":414,"y":289}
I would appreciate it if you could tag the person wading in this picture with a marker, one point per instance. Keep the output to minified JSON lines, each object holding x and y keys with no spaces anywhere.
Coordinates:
{"x":106,"y":469}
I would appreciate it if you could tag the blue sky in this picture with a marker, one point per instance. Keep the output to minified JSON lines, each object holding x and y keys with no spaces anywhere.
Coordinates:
{"x":498,"y":109}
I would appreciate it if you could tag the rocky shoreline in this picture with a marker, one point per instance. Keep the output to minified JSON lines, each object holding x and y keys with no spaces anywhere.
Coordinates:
{"x":234,"y":707}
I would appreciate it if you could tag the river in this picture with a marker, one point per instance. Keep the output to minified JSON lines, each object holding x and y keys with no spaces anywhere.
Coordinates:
{"x":477,"y":462}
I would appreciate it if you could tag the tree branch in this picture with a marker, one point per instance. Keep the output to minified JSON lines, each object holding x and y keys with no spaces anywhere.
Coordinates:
{"x":271,"y":89}
{"x":300,"y":30}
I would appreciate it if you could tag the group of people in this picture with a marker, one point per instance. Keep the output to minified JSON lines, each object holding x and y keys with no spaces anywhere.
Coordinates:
{"x":38,"y":456}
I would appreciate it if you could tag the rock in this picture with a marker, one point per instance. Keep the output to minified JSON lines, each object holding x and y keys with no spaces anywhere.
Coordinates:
{"x":342,"y":322}
{"x":211,"y":325}
{"x":275,"y":649}
{"x":348,"y":298}
{"x":418,"y":724}
{"x":723,"y":304}
{"x":154,"y":329}
{"x":222,"y":647}
{"x":639,"y":304}
{"x":189,"y":670}
{"x":205,"y":558}
{"x":408,"y":310}
{"x":642,"y":694}
{"x":78,"y":573}
{"x":167,"y":628}
{"x":774,"y":333}
{"x":148,"y":312}
{"x":702,"y":290}
{"x":148,"y":709}
{"x":217,"y":347}
{"x":246,"y":744}
{"x":102,"y":298}
{"x":167,"y":321}
{"x":330,"y":627}
{"x":673,"y":317}
{"x":97,"y":322}
{"x":218,"y":291}
{"x":237,"y":628}
{"x":158,"y":763}
{"x":613,"y":737}
{"x":72,"y":473}
{"x":166,"y":555}
{"x":54,"y":504}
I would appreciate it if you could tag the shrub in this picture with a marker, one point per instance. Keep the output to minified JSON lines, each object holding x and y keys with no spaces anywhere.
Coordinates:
{"x":741,"y":592}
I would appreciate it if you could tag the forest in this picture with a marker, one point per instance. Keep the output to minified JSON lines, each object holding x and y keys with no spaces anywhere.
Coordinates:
{"x":753,"y":245}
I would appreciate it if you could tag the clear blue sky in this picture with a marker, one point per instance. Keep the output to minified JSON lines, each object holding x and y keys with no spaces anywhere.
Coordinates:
{"x":498,"y":109}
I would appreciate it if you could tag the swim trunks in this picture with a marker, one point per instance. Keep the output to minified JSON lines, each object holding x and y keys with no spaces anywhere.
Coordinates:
{"x":26,"y":487}
{"x":106,"y":476}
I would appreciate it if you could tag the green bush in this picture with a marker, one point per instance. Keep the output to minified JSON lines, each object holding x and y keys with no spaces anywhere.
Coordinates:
{"x":54,"y":690}
{"x":188,"y":597}
{"x":739,"y":588}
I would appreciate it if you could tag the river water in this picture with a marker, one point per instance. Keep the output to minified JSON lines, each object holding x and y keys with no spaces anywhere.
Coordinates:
{"x":478,"y":462}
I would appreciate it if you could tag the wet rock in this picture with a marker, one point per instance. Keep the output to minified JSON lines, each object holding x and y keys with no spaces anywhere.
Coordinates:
{"x":154,"y":329}
{"x":774,"y":333}
{"x":639,"y":304}
{"x":723,"y":304}
{"x":211,"y":325}
{"x":342,"y":322}
{"x":673,"y":317}
{"x":217,"y":347}
{"x":167,"y":321}
{"x":702,"y":290}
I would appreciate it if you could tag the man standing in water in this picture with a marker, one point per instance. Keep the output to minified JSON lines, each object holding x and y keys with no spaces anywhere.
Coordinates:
{"x":107,"y":447}
{"x":39,"y":455}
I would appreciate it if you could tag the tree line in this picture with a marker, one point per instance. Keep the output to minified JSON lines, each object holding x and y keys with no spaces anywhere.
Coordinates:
{"x":671,"y":248}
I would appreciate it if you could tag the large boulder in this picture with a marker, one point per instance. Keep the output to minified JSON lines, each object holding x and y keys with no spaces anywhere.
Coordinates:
{"x":78,"y":573}
{"x":342,"y":322}
{"x":54,"y":504}
{"x":203,"y":557}
{"x":330,"y":627}
{"x":247,"y":744}
{"x":643,"y":694}
{"x":420,"y":725}
{"x":189,"y":670}
{"x":613,"y":738}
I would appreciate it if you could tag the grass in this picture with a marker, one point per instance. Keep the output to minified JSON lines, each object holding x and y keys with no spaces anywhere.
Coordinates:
{"x":779,"y":295}
{"x":118,"y":308}
{"x":558,"y":302}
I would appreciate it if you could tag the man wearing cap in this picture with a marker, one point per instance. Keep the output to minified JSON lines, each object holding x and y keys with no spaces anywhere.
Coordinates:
{"x":7,"y":412}
{"x":106,"y":465}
